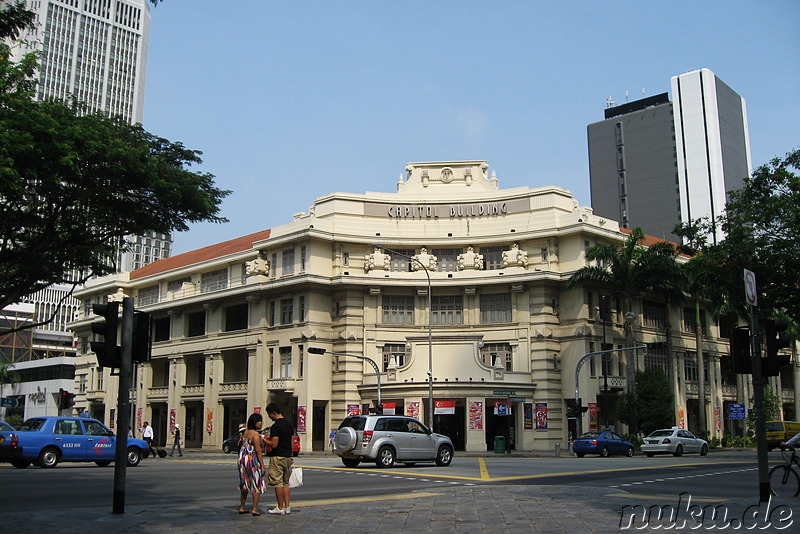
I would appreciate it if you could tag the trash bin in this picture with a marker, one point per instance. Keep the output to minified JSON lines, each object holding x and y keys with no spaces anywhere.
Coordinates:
{"x":499,"y":444}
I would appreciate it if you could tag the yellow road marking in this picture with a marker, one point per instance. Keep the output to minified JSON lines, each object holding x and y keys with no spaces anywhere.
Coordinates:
{"x":484,"y":471}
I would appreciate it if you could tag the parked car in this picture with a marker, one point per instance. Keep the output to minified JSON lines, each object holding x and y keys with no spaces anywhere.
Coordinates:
{"x":602,"y":442}
{"x":778,"y":431}
{"x":232,"y":443}
{"x":47,"y":441}
{"x":9,"y":442}
{"x":675,"y":441}
{"x":5,"y":427}
{"x":386,"y":439}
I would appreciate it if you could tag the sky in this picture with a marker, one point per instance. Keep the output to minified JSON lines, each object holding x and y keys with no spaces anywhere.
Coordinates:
{"x":292,"y":100}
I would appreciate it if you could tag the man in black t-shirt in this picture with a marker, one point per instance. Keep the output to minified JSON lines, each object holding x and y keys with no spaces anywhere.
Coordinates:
{"x":280,"y":461}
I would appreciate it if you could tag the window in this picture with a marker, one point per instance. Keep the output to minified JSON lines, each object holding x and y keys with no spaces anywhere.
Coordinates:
{"x":176,"y":285}
{"x":492,"y":257}
{"x":303,"y":258}
{"x":287,"y":311}
{"x":690,"y":320}
{"x":654,"y":314}
{"x":161,"y":327}
{"x":447,"y":309}
{"x":302,"y":362}
{"x":690,"y":367}
{"x":590,"y":304}
{"x":657,"y":358}
{"x":396,"y":350}
{"x":214,"y":281}
{"x":272,"y":313}
{"x":301,"y":308}
{"x":345,"y":259}
{"x":398,"y":309}
{"x":148,"y":295}
{"x":196,"y":324}
{"x":287,"y":263}
{"x":496,"y":308}
{"x":236,"y":317}
{"x":274,"y":265}
{"x":401,"y":264}
{"x":447,"y":259}
{"x":286,"y":361}
{"x":491,"y":353}
{"x":544,"y":255}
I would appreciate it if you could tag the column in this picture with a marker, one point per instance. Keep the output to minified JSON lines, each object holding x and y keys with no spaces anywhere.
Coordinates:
{"x":211,"y":401}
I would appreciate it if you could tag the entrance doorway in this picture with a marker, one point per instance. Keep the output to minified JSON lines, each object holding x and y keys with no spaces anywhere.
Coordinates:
{"x":319,"y":428}
{"x":499,"y":425}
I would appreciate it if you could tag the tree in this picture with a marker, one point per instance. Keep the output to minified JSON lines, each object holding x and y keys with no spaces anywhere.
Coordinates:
{"x":654,"y":400}
{"x":73,"y":185}
{"x":631,"y":271}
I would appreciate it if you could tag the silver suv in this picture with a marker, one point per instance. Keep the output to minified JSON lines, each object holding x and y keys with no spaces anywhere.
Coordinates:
{"x":386,"y":439}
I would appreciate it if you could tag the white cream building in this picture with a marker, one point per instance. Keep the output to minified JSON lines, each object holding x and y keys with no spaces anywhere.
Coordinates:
{"x":233,"y":322}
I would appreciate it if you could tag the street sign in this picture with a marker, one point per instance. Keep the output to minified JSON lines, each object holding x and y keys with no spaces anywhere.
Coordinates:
{"x":750,"y":290}
{"x":9,"y":402}
{"x":736,"y":411}
{"x":517,"y":399}
{"x":503,"y":392}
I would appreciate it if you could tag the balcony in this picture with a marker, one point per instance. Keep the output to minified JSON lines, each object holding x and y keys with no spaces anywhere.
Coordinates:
{"x":96,"y":395}
{"x":232,"y":389}
{"x":195,"y":390}
{"x":158,"y":393}
{"x":615,"y":383}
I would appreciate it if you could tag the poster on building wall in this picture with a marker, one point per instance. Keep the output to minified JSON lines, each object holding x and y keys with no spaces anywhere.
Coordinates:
{"x":209,"y":420}
{"x":389,"y":408}
{"x":717,"y":418}
{"x":444,"y":407}
{"x":476,"y":415}
{"x":301,"y":419}
{"x":541,"y":415}
{"x":257,"y":409}
{"x":172,"y":416}
{"x":139,"y":416}
{"x":593,"y":419}
{"x":352,"y":409}
{"x":527,"y":419}
{"x":113,"y":417}
{"x":681,"y":417}
{"x":412,"y":409}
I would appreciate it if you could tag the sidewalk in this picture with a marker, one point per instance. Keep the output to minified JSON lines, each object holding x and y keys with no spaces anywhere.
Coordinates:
{"x":454,"y":509}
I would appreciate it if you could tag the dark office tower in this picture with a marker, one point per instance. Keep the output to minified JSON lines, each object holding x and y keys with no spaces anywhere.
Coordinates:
{"x":655,"y":163}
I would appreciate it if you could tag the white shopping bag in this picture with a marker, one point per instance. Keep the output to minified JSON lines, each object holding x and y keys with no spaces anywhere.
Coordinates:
{"x":296,"y":478}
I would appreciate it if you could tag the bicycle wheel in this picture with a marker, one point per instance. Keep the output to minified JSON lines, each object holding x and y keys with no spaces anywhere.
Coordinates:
{"x":784,"y":481}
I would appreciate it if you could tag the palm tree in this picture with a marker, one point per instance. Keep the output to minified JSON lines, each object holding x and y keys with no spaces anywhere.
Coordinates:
{"x":632,"y":270}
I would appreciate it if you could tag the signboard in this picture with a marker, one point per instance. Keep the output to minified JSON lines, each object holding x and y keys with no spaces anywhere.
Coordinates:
{"x":301,"y":419}
{"x":476,"y":415}
{"x":504,"y":392}
{"x":8,"y":402}
{"x":502,"y":408}
{"x":541,"y":416}
{"x":593,"y":416}
{"x":352,"y":409}
{"x":736,"y":411}
{"x":750,"y":290}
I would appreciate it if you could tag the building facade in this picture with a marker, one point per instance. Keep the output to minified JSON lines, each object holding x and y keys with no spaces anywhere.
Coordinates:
{"x":658,"y":162}
{"x":449,"y":275}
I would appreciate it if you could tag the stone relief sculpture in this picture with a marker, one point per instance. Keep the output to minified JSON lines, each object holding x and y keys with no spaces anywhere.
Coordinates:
{"x":515,"y":257}
{"x":470,"y":260}
{"x":428,"y":260}
{"x":377,"y":260}
{"x":256,"y":267}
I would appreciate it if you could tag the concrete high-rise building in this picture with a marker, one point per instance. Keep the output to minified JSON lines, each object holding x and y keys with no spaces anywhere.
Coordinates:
{"x":658,"y":162}
{"x":93,"y":52}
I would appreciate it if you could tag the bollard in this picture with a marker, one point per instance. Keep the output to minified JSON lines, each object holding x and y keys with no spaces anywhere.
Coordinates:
{"x":558,"y":450}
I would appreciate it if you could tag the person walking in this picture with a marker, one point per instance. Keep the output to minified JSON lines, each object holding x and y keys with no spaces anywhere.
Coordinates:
{"x":280,"y":462}
{"x":147,"y":435}
{"x":251,"y":465}
{"x":177,"y":443}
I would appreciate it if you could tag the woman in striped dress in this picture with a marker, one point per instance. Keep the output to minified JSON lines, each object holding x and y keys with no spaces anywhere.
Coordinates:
{"x":252,"y":470}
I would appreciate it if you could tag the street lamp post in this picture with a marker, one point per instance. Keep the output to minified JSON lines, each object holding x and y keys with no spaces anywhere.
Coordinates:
{"x":430,"y":330}
{"x":318,"y":350}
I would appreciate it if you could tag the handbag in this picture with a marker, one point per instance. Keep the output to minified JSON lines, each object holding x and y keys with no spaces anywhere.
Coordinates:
{"x":296,"y":478}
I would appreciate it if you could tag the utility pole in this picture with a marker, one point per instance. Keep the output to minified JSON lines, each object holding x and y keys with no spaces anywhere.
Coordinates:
{"x":123,"y":406}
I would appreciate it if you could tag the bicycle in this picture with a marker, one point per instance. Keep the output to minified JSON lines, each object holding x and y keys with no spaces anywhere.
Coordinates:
{"x":783,"y":479}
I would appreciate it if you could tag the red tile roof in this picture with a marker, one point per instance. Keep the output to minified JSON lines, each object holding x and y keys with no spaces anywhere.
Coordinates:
{"x":202,"y":254}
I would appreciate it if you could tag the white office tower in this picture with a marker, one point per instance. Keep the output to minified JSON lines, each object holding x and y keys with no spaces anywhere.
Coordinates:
{"x":658,"y":162}
{"x":93,"y":52}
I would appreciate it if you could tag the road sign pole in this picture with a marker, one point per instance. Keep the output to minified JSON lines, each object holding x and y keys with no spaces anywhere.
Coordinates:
{"x":123,"y":402}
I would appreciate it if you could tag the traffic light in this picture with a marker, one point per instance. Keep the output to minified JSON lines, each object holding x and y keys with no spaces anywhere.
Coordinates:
{"x":741,"y":360}
{"x":107,"y":351}
{"x":142,"y":323}
{"x":656,"y":345}
{"x":775,"y":339}
{"x":574,"y":409}
{"x":65,"y":399}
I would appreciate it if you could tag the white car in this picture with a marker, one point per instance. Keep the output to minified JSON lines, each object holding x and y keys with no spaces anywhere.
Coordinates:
{"x":675,"y":441}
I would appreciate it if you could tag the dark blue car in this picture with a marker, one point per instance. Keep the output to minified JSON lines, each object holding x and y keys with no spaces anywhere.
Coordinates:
{"x":602,"y":442}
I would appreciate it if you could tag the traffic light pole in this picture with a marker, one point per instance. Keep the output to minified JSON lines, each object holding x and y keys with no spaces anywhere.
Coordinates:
{"x":123,"y":404}
{"x":764,"y":491}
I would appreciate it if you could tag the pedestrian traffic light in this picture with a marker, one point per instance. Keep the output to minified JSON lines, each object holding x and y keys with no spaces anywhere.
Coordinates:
{"x":775,"y":339}
{"x":142,"y":324}
{"x":65,"y":399}
{"x":107,"y":351}
{"x":741,"y":361}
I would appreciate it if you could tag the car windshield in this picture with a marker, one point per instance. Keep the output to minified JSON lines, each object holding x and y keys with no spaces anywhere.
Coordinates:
{"x":774,"y":426}
{"x":659,"y":433}
{"x":32,"y":424}
{"x":356,"y":423}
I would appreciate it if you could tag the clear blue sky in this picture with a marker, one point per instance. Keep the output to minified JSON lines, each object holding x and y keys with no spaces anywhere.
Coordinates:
{"x":291,"y":100}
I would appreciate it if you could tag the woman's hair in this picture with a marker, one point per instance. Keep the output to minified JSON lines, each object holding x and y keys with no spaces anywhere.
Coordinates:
{"x":252,"y":420}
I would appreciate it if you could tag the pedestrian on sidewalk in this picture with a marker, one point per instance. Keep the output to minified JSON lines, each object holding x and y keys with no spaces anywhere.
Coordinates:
{"x":252,"y":469}
{"x":147,"y":435}
{"x":280,"y":461}
{"x":177,"y":440}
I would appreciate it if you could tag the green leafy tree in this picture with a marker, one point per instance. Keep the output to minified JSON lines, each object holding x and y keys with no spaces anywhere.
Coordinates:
{"x":73,"y":185}
{"x":772,"y":410}
{"x":654,"y":401}
{"x":632,"y":270}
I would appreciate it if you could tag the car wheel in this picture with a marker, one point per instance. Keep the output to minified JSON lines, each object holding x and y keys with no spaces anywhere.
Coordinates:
{"x":226,"y":448}
{"x":351,"y":462}
{"x":704,"y":450}
{"x":21,"y":464}
{"x":48,"y":457}
{"x":444,"y":456}
{"x":385,"y":457}
{"x":346,"y":439}
{"x":104,"y":463}
{"x":580,"y":454}
{"x":604,"y":452}
{"x":134,"y":457}
{"x":649,"y":454}
{"x":629,"y":452}
{"x":678,"y":451}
